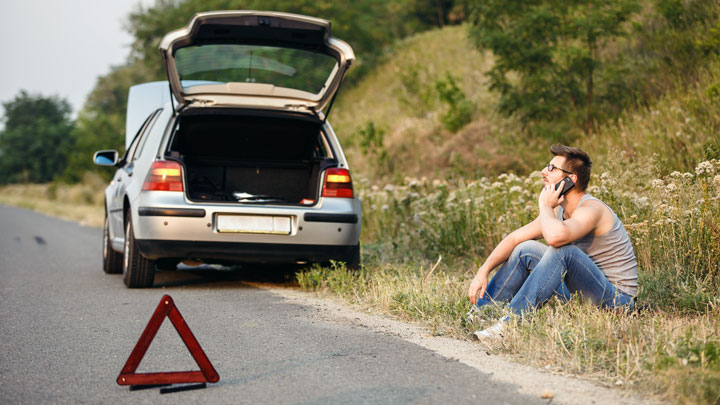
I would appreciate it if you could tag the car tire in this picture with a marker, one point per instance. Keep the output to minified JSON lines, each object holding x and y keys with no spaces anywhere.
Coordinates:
{"x":138,"y":272}
{"x":353,"y":261}
{"x":112,"y":260}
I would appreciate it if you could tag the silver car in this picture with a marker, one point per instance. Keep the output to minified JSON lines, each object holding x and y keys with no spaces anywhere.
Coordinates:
{"x":233,"y":159}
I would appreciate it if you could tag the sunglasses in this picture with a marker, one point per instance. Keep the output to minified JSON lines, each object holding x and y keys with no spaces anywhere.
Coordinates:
{"x":552,"y":167}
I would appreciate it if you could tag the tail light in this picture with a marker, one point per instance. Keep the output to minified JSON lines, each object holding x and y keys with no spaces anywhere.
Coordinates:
{"x":164,"y":176}
{"x":337,"y":183}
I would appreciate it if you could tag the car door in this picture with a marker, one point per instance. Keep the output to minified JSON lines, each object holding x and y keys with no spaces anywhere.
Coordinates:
{"x":124,"y":176}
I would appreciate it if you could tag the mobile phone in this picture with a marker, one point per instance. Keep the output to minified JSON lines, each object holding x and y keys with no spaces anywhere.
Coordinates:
{"x":566,"y":184}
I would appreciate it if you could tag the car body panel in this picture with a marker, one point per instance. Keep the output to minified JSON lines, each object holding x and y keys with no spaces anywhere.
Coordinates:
{"x":256,"y":29}
{"x":126,"y":190}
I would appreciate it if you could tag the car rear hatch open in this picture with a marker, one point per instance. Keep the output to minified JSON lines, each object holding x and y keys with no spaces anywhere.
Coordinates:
{"x":255,"y":59}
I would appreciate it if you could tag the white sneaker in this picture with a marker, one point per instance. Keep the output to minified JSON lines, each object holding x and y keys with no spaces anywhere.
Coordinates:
{"x":495,"y":331}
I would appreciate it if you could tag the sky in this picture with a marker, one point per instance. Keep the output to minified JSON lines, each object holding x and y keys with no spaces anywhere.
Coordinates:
{"x":61,"y":47}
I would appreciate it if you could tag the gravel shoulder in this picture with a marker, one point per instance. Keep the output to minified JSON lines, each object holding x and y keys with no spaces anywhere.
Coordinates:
{"x":556,"y":388}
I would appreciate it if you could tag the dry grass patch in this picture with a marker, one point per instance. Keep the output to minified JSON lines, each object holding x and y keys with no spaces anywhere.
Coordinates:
{"x":82,"y":202}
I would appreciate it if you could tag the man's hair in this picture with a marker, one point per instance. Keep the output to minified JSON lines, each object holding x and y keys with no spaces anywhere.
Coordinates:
{"x":577,"y":161}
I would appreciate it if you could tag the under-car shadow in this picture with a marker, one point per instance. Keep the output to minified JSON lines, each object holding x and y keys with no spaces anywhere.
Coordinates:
{"x":217,"y":276}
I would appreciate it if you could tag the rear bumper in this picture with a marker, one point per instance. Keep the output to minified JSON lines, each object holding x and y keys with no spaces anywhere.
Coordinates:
{"x":244,"y":252}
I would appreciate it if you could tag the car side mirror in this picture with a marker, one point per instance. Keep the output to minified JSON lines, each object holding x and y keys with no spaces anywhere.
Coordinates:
{"x":106,"y":157}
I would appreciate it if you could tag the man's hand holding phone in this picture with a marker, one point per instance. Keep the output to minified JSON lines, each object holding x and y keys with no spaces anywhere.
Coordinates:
{"x":552,"y":195}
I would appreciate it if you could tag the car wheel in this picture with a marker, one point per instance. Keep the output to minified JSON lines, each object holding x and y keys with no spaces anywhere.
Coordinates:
{"x":112,"y":260}
{"x":138,"y":271}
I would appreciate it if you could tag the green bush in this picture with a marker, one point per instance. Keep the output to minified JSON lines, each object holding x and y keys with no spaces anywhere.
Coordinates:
{"x":459,"y":108}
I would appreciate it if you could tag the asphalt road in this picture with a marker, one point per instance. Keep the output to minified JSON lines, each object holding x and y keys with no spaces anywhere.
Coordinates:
{"x":66,"y":330}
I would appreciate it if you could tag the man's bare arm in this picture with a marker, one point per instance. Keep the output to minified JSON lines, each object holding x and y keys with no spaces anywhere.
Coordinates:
{"x":500,"y":254}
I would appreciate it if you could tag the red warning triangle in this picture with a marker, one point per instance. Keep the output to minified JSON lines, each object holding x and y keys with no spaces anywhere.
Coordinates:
{"x":207,"y":372}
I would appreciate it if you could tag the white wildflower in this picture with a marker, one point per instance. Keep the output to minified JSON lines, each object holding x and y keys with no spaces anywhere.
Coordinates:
{"x":687,"y":120}
{"x":414,"y":195}
{"x":688,"y":175}
{"x":657,"y":183}
{"x":669,"y":221}
{"x":388,"y":188}
{"x":642,"y":202}
{"x":497,"y":184}
{"x":511,"y":178}
{"x":676,"y":174}
{"x":716,"y":181}
{"x":515,"y":189}
{"x":671,"y":188}
{"x":678,"y":133}
{"x":385,"y":207}
{"x":704,"y":168}
{"x":604,"y":176}
{"x":375,"y":188}
{"x":467,"y":201}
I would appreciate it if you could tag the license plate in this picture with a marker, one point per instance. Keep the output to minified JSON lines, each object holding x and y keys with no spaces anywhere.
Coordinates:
{"x":278,"y":225}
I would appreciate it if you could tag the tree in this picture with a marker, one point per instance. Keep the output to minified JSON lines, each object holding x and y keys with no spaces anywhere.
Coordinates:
{"x":35,"y":138}
{"x":101,"y":122}
{"x":549,"y":54}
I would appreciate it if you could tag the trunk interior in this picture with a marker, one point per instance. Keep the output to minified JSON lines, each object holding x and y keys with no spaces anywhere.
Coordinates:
{"x":251,"y":159}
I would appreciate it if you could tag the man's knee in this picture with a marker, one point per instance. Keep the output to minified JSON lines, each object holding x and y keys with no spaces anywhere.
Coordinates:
{"x":562,"y":251}
{"x":530,"y":247}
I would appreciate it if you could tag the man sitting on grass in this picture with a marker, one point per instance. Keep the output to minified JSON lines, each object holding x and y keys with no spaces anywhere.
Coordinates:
{"x":589,"y":253}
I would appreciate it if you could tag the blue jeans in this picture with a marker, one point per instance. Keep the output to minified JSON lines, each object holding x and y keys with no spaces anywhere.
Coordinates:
{"x":535,"y":272}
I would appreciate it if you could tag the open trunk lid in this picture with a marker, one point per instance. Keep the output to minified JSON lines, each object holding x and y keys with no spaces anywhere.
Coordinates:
{"x":255,"y":59}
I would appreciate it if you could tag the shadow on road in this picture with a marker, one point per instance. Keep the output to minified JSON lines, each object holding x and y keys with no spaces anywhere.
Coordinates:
{"x":217,"y":276}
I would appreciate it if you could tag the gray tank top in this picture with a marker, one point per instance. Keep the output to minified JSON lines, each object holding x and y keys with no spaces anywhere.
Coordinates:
{"x":612,"y":252}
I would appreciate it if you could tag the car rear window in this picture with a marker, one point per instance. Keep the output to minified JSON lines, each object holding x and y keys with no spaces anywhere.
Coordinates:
{"x":228,"y":63}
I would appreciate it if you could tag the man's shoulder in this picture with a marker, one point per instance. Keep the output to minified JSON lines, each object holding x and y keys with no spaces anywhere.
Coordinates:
{"x":592,"y":208}
{"x":598,"y":210}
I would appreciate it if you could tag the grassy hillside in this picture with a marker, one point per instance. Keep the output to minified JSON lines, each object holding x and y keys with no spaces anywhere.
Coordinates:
{"x":401,"y":100}
{"x":391,"y":121}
